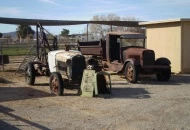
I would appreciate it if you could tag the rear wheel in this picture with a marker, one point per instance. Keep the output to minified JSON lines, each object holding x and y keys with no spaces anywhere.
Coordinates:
{"x":164,"y":75}
{"x":131,"y":73}
{"x":30,"y":74}
{"x":56,"y":84}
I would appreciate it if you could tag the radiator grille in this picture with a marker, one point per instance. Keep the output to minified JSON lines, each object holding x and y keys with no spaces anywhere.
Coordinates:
{"x":148,"y":57}
{"x":78,"y":65}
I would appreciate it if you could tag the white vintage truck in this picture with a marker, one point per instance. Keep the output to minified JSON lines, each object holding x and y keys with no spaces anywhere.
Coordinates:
{"x":67,"y":65}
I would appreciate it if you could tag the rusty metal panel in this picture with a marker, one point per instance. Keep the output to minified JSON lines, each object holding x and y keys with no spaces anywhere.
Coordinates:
{"x":115,"y":66}
{"x":135,"y":53}
{"x":91,"y":50}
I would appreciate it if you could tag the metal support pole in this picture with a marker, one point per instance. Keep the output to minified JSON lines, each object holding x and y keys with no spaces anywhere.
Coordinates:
{"x":1,"y":53}
{"x":87,"y":32}
{"x":111,"y":28}
{"x":37,"y":40}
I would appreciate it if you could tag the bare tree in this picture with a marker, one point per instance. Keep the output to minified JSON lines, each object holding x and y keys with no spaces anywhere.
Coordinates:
{"x":101,"y":30}
{"x":130,"y":29}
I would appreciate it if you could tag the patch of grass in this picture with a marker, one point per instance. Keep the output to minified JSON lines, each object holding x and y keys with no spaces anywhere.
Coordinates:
{"x":15,"y":49}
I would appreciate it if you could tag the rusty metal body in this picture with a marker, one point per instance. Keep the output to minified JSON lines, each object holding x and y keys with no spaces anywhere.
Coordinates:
{"x":118,"y":52}
{"x":118,"y":56}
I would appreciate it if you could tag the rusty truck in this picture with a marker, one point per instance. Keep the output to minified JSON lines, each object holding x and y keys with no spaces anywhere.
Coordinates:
{"x":125,"y":52}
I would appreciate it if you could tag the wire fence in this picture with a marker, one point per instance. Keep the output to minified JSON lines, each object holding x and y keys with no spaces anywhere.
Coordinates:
{"x":7,"y":47}
{"x":15,"y":51}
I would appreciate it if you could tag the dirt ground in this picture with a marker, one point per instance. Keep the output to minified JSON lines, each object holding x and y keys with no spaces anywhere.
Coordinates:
{"x":149,"y":104}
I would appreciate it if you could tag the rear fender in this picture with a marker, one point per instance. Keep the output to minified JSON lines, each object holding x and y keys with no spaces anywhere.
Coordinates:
{"x":162,"y":61}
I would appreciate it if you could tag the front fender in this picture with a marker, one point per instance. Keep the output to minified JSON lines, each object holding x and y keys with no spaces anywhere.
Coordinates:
{"x":132,"y":60}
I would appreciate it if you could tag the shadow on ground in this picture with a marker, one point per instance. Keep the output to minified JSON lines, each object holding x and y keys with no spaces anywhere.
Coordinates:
{"x":174,"y":80}
{"x":4,"y":123}
{"x":2,"y":80}
{"x":152,"y":80}
{"x":21,"y":93}
{"x":138,"y":93}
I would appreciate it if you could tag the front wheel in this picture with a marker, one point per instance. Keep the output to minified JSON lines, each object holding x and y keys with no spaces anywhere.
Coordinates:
{"x":30,"y":74}
{"x":164,"y":75}
{"x":131,"y":73}
{"x":56,"y":84}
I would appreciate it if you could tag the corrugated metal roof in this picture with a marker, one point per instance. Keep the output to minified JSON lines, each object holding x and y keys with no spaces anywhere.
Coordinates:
{"x":164,"y":21}
{"x":65,"y":22}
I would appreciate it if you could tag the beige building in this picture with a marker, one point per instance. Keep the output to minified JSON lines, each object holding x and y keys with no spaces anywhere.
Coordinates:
{"x":171,"y":39}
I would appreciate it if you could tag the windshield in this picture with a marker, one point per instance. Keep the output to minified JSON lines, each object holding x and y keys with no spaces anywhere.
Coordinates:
{"x":132,"y":42}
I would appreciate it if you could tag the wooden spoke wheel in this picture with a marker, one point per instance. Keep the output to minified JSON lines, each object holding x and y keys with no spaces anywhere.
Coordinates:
{"x":56,"y":84}
{"x":131,"y":72}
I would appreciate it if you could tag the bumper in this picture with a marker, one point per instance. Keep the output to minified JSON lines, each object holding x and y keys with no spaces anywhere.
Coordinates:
{"x":156,"y":67}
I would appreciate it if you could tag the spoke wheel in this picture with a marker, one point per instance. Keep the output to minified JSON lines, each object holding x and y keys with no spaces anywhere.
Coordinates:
{"x":30,"y":74}
{"x":131,"y":73}
{"x":56,"y":84}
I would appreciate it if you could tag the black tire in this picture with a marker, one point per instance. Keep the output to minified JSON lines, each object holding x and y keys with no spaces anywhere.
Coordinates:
{"x":102,"y":86}
{"x":164,"y":75}
{"x":56,"y":84}
{"x":131,"y":73}
{"x":30,"y":74}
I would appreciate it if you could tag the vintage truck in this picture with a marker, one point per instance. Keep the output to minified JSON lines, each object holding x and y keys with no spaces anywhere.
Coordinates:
{"x":64,"y":66}
{"x":125,"y":52}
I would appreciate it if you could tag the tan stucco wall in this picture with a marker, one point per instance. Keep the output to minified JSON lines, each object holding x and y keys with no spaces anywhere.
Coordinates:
{"x":165,"y":40}
{"x":186,"y":47}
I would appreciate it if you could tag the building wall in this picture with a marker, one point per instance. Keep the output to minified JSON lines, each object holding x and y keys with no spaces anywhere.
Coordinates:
{"x":165,"y":40}
{"x":186,"y":47}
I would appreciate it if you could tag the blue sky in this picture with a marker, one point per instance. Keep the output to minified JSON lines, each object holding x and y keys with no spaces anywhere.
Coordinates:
{"x":145,"y":10}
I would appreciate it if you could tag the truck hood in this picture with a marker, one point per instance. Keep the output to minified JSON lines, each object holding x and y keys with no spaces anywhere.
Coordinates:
{"x":135,"y":51}
{"x":63,"y":55}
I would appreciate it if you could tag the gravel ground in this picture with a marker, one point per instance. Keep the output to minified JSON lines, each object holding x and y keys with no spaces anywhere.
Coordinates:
{"x":149,"y":104}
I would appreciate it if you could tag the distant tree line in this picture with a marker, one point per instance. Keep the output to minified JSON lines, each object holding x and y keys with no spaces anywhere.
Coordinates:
{"x":24,"y":31}
{"x":101,"y":30}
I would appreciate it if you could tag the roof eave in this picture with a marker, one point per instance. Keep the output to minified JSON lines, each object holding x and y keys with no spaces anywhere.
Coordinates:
{"x":164,"y":21}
